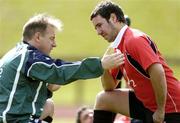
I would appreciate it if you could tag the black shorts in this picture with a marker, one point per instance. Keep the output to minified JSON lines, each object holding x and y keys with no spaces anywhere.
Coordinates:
{"x":138,"y":111}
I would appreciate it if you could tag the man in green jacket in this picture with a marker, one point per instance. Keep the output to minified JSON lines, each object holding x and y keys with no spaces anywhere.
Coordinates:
{"x":27,"y":70}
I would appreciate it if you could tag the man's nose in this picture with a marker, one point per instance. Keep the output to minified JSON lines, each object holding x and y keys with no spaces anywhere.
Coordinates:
{"x":99,"y":31}
{"x":54,"y":44}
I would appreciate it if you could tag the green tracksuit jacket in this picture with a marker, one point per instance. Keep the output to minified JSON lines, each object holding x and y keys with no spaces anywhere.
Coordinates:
{"x":24,"y":75}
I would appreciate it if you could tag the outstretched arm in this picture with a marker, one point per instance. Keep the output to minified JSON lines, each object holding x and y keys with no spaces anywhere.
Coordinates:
{"x":62,"y":74}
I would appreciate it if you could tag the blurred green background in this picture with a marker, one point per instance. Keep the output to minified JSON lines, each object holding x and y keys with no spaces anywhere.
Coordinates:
{"x":158,"y":18}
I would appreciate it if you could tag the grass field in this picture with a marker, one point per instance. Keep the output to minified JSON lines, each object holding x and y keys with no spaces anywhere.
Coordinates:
{"x":158,"y":18}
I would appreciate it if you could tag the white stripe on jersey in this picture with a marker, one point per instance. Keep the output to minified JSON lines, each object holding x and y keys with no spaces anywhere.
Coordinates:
{"x":23,"y":51}
{"x":35,"y":98}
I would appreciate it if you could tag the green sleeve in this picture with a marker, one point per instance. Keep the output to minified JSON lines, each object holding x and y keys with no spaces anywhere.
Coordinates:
{"x":64,"y":74}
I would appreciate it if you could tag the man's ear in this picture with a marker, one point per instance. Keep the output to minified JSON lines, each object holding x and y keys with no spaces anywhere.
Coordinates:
{"x":37,"y":37}
{"x":113,"y":18}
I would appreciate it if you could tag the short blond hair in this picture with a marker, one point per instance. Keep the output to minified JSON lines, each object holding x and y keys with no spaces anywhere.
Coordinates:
{"x":39,"y":23}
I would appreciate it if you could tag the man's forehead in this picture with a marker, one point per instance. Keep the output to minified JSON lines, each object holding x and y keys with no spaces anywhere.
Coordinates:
{"x":98,"y":19}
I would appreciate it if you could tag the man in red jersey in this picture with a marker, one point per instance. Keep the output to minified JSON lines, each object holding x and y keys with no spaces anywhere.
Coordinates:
{"x":154,"y":96}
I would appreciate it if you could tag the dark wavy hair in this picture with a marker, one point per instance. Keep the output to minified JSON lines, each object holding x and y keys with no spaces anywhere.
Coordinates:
{"x":106,"y":8}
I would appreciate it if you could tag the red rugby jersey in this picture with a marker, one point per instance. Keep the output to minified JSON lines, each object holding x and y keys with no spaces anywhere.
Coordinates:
{"x":140,"y":52}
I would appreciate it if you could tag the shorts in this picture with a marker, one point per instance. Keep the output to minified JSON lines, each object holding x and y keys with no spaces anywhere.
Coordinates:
{"x":138,"y":111}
